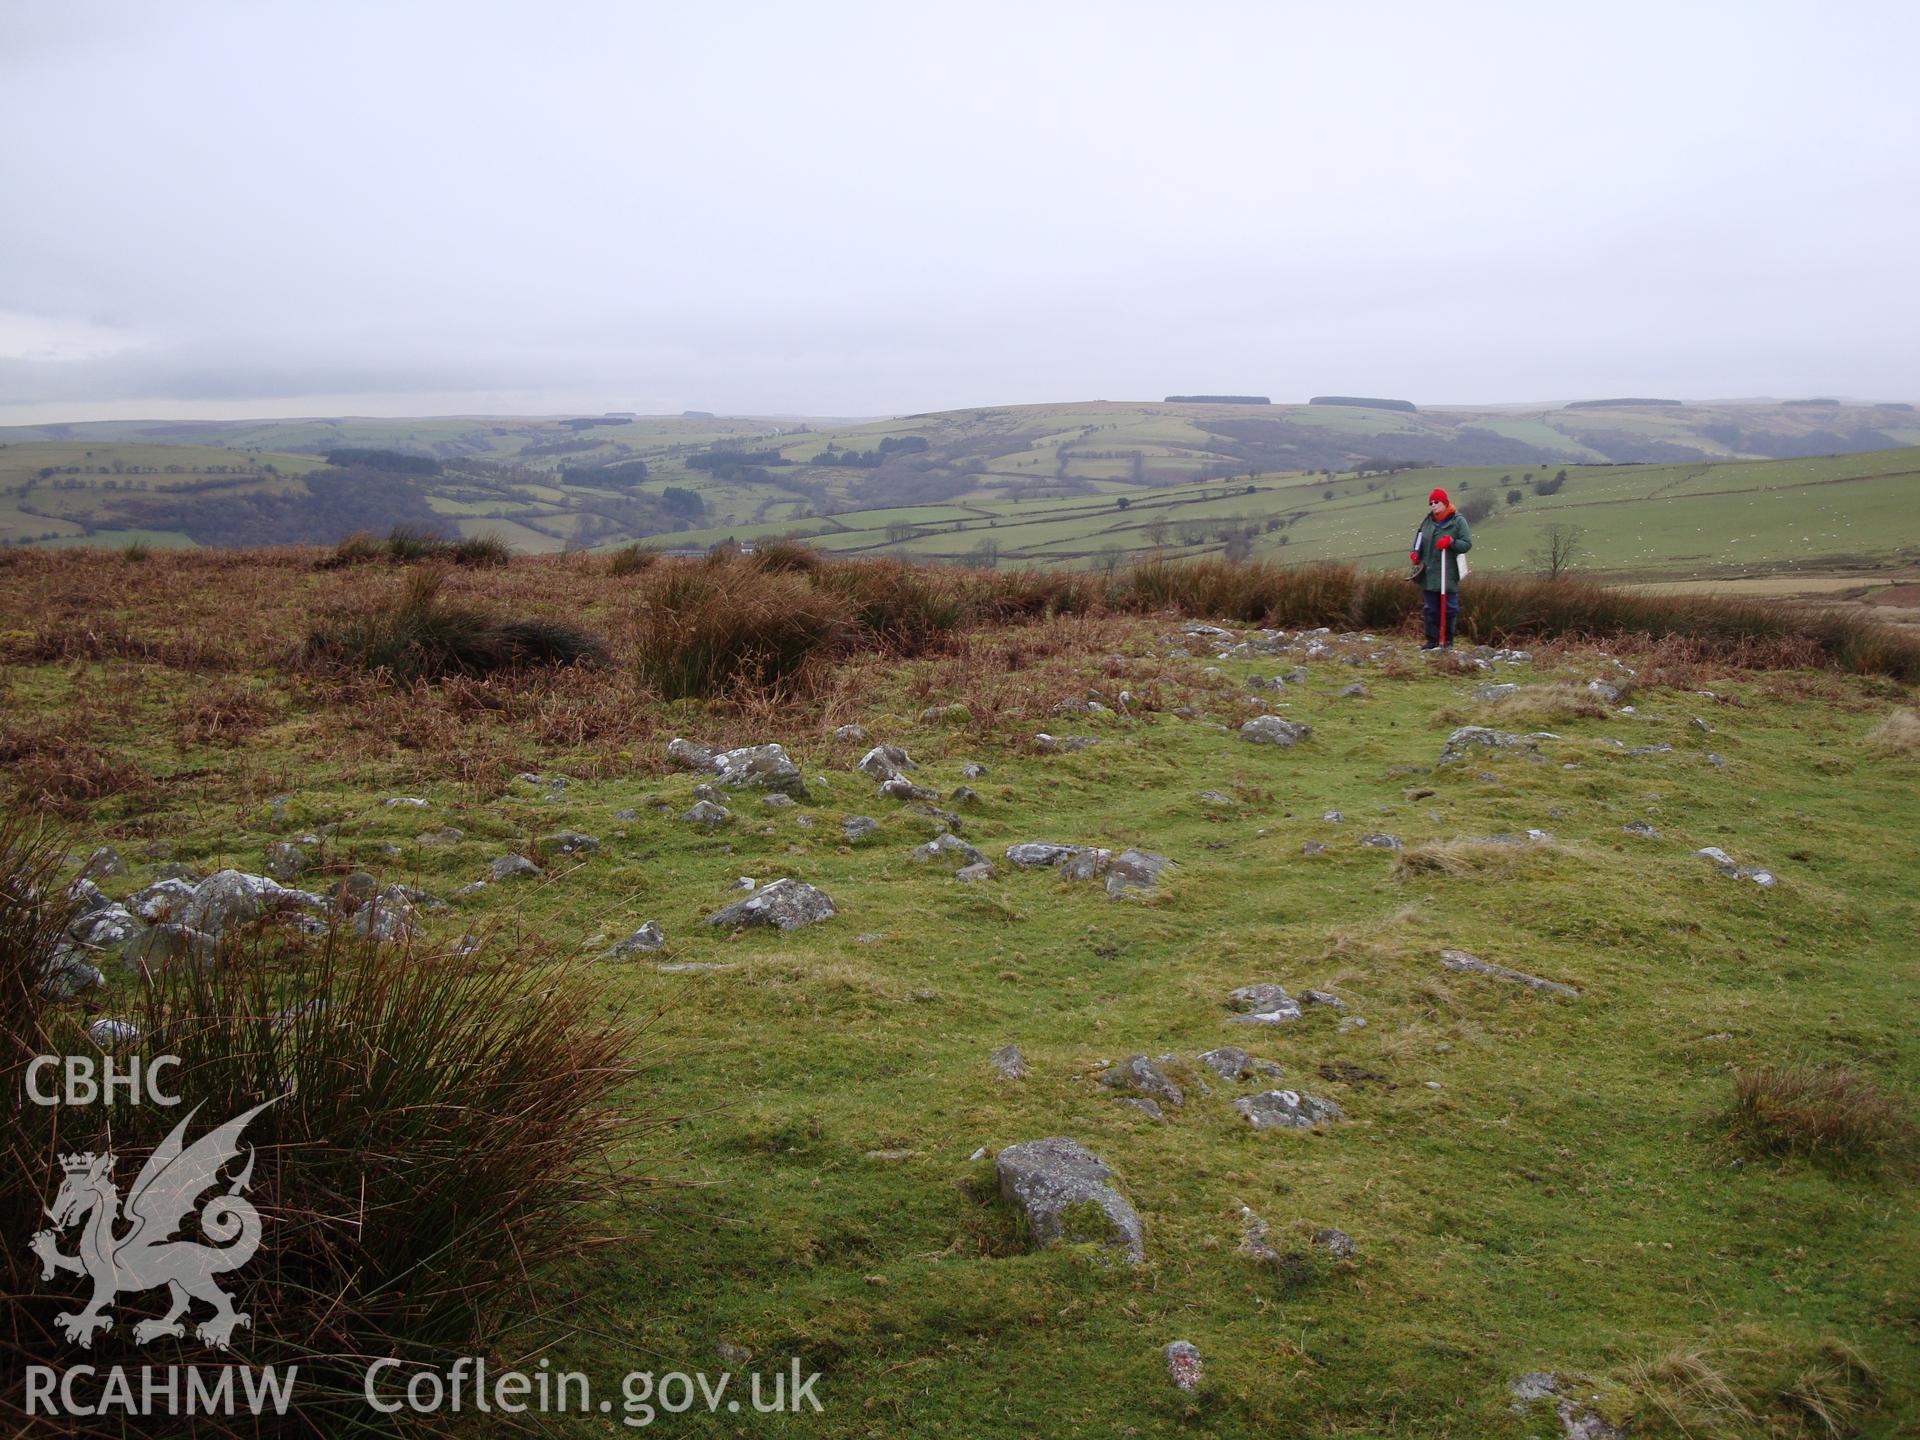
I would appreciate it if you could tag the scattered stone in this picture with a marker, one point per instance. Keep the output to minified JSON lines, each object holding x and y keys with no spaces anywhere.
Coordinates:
{"x":1230,"y":1062}
{"x":1383,"y":842}
{"x":1494,"y":692}
{"x":1044,"y":741}
{"x":1724,"y":863}
{"x":232,"y":897}
{"x":858,"y":827}
{"x":1150,"y":1108}
{"x":788,"y":904}
{"x":1578,"y":1419}
{"x":1333,"y":817}
{"x":1696,"y":723}
{"x":166,"y":942}
{"x":706,"y":792}
{"x":1262,"y":1004}
{"x":883,"y":762}
{"x":689,"y":755}
{"x":105,"y":929}
{"x":1313,"y":847}
{"x":1603,"y":692}
{"x":1214,"y":797}
{"x":160,"y":899}
{"x":389,"y":916}
{"x":506,"y":867}
{"x":1133,"y":873}
{"x":1352,"y":1022}
{"x":697,"y":967}
{"x":1641,"y":828}
{"x":104,"y":863}
{"x":1287,"y":1110}
{"x":1461,"y":961}
{"x":973,"y":770}
{"x":1356,"y":691}
{"x":744,"y":882}
{"x":644,"y":941}
{"x":762,"y":767}
{"x":899,"y":787}
{"x":962,"y":795}
{"x":1061,"y":1187}
{"x":1008,"y":1060}
{"x":1470,"y":737}
{"x":1716,"y":761}
{"x":946,"y":845}
{"x":109,"y":1033}
{"x":848,"y":733}
{"x":67,"y":975}
{"x":448,"y":836}
{"x":1323,"y":997}
{"x":1034,"y":854}
{"x":954,"y":711}
{"x":705,"y":812}
{"x":1336,"y":1242}
{"x":1272,"y":730}
{"x":974,"y":874}
{"x":1141,"y":1075}
{"x":1183,"y":1366}
{"x":570,"y":842}
{"x":406,"y":802}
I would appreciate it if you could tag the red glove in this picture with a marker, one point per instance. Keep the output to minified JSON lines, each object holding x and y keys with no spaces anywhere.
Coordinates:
{"x":1445,"y":542}
{"x":1413,"y":557}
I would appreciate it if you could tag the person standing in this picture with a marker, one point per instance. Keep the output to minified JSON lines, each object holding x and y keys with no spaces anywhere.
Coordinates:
{"x":1443,"y":537}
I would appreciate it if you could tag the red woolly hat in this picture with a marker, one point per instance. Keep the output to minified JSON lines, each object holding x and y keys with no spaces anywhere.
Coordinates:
{"x":1440,"y":495}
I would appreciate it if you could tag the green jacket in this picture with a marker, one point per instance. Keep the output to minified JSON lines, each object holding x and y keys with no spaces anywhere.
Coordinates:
{"x":1454,"y":525}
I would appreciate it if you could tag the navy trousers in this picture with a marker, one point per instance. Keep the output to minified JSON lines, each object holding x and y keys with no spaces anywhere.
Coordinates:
{"x":1432,"y":598}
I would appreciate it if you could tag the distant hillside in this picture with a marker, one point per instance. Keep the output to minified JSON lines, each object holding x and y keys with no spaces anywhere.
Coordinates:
{"x":1047,"y":484}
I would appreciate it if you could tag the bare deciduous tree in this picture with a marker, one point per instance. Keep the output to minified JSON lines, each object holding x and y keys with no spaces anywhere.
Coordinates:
{"x":1559,"y":551}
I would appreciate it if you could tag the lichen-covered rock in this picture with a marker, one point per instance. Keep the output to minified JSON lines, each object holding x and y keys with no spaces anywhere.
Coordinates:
{"x":231,"y":897}
{"x":1287,"y":1110}
{"x":1062,"y":1189}
{"x":788,"y":904}
{"x":1134,"y":873}
{"x":689,"y":754}
{"x":858,"y":827}
{"x":159,"y":900}
{"x":1230,"y":1062}
{"x":761,"y":767}
{"x":883,"y":762}
{"x":1726,"y":865}
{"x":1468,"y":738}
{"x":569,"y":842}
{"x":1140,"y":1075}
{"x":106,"y":929}
{"x":645,"y":940}
{"x":1272,"y":730}
{"x":1383,"y":842}
{"x":1263,"y":1004}
{"x":975,"y":873}
{"x":507,"y":867}
{"x":947,"y":847}
{"x":899,"y":787}
{"x":705,"y":812}
{"x":1008,"y":1060}
{"x":1183,"y":1366}
{"x":1037,"y":854}
{"x":166,"y":942}
{"x":104,"y":863}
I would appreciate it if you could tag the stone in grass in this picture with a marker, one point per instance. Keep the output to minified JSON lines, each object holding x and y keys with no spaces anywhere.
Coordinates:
{"x":1008,"y":1060}
{"x":109,"y":1033}
{"x":167,"y":941}
{"x":849,"y":733}
{"x":1215,"y":797}
{"x":643,"y":941}
{"x":974,"y":874}
{"x":1140,"y":1075}
{"x":160,"y":899}
{"x":689,"y":754}
{"x":947,"y":847}
{"x":1034,"y":854}
{"x":66,"y":975}
{"x":1642,"y":829}
{"x":232,"y":897}
{"x":1062,"y":1189}
{"x":1383,"y":842}
{"x":1149,"y":1108}
{"x":506,"y":867}
{"x":858,"y":827}
{"x":1578,"y":1418}
{"x":1471,"y":737}
{"x":1313,"y":847}
{"x":1461,"y":961}
{"x":899,"y":787}
{"x":104,"y":863}
{"x":405,"y":802}
{"x":1323,"y":997}
{"x":1134,"y":873}
{"x":787,"y":904}
{"x":705,"y":812}
{"x":106,"y":929}
{"x":1356,"y":691}
{"x":1287,"y":1110}
{"x":1183,"y":1366}
{"x":1230,"y":1062}
{"x":761,"y":767}
{"x":1272,"y":730}
{"x":778,"y":801}
{"x":883,"y":762}
{"x":973,"y":770}
{"x":1724,"y":863}
{"x":570,"y":842}
{"x":1263,"y":1004}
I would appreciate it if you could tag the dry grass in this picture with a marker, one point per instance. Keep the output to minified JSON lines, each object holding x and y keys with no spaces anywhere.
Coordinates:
{"x":1529,"y":705}
{"x":1898,"y":734}
{"x":1751,"y":1383}
{"x":1828,"y":1112}
{"x":1471,"y":857}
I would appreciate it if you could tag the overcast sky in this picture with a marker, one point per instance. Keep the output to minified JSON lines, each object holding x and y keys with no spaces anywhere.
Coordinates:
{"x":857,"y":209}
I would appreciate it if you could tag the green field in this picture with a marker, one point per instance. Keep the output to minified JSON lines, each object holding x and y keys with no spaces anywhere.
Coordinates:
{"x":1532,"y":1182}
{"x":1060,"y":485}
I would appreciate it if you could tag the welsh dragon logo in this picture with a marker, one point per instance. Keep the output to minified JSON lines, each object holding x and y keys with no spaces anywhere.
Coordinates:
{"x":146,"y":1256}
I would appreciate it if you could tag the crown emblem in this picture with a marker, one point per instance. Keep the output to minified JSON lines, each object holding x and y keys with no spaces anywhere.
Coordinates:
{"x":77,"y":1164}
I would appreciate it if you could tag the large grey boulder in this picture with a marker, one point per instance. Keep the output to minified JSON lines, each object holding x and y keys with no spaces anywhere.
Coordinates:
{"x":106,"y":929}
{"x":1465,"y":964}
{"x":1287,"y":1110}
{"x":159,"y":900}
{"x":1062,"y":1189}
{"x":1134,"y":873}
{"x":165,"y":942}
{"x":760,"y":767}
{"x":66,"y":975}
{"x":788,"y":904}
{"x":1272,"y":730}
{"x":232,"y":897}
